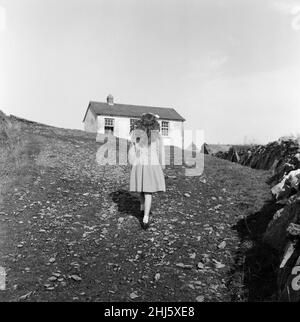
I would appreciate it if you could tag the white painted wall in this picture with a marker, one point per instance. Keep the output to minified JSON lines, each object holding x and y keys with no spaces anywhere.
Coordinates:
{"x":90,"y":123}
{"x":175,"y":133}
{"x":122,"y":128}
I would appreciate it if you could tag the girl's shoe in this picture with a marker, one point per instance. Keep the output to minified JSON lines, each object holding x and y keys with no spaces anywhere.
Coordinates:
{"x":146,"y":225}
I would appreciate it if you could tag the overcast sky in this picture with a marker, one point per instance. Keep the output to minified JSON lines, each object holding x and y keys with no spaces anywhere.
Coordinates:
{"x":230,"y":67}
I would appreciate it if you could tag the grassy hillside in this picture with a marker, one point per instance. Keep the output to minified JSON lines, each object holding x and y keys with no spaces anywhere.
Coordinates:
{"x":70,"y":230}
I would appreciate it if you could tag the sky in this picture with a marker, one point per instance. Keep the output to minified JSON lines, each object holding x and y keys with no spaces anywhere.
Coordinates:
{"x":229,"y":67}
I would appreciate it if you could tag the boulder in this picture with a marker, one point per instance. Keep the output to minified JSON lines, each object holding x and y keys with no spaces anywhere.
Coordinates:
{"x":233,"y":155}
{"x":205,"y":149}
{"x":279,"y":190}
{"x":279,"y":171}
{"x":276,"y":234}
{"x":288,"y":185}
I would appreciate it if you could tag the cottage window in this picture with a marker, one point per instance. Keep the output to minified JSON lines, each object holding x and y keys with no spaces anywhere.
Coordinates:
{"x":165,"y":128}
{"x":109,"y":125}
{"x":109,"y":122}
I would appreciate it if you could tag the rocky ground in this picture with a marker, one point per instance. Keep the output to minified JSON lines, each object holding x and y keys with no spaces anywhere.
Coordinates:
{"x":70,"y":230}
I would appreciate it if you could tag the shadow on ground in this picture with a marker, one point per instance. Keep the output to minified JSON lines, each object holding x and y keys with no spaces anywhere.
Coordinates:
{"x":128,"y":203}
{"x":253,"y":276}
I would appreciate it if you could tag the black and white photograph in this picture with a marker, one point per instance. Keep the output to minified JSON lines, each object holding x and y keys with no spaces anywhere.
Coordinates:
{"x":150,"y":153}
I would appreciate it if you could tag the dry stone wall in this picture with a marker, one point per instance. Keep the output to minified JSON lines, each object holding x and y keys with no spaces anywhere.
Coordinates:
{"x":283,"y":231}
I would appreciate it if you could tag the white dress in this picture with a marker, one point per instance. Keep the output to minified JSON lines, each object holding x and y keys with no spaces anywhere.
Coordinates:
{"x":147,"y":161}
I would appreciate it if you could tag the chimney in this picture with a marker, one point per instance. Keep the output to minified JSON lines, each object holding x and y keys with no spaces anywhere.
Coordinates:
{"x":110,"y":100}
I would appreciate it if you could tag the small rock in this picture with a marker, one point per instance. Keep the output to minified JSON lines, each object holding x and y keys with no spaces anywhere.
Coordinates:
{"x":56,"y":274}
{"x":120,"y":220}
{"x":193,"y":255}
{"x":133,"y":295}
{"x":181,"y":265}
{"x":198,"y":283}
{"x":76,"y":278}
{"x":200,"y":298}
{"x":200,"y":265}
{"x":222,"y":245}
{"x":157,"y":277}
{"x":190,"y":286}
{"x":26,"y":296}
{"x":218,"y":264}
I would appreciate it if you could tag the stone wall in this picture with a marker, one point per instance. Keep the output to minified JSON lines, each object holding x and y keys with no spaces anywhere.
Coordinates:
{"x":283,"y":231}
{"x":272,"y":155}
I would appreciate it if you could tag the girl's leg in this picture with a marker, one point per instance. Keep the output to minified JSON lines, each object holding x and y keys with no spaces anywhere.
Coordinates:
{"x":142,"y":201}
{"x":148,"y":202}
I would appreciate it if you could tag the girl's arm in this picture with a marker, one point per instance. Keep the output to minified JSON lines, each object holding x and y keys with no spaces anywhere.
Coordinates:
{"x":131,"y":154}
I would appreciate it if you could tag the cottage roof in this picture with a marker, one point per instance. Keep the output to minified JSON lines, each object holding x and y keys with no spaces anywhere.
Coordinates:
{"x":100,"y":108}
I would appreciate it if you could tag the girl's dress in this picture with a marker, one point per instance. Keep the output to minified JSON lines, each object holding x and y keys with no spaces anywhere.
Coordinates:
{"x":147,"y":160}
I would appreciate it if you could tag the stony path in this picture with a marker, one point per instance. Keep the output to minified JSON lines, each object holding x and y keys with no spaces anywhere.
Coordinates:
{"x":71,"y":229}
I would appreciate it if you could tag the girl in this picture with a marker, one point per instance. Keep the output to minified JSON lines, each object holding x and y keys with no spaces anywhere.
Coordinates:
{"x":146,"y":155}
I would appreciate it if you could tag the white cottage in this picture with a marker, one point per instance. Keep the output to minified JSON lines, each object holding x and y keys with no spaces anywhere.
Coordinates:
{"x":117,"y":118}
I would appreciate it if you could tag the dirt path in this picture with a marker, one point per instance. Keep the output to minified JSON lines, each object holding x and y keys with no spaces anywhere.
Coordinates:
{"x":73,"y":230}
